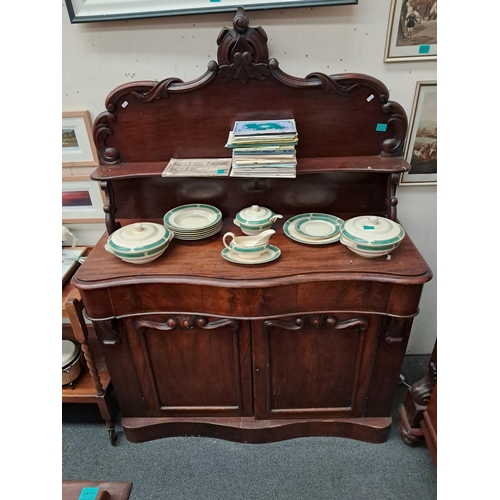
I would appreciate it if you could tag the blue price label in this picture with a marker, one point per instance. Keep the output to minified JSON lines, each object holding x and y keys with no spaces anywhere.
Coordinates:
{"x":381,"y":127}
{"x":89,"y":493}
{"x":368,"y":227}
{"x":424,"y":49}
{"x":220,"y":171}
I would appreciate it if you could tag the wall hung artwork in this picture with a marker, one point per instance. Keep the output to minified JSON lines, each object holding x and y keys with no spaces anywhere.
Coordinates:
{"x":82,"y":200}
{"x":412,"y":31}
{"x":83,"y":11}
{"x":78,"y":148}
{"x":421,"y":145}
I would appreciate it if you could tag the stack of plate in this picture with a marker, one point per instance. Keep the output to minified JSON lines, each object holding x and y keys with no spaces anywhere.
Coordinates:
{"x":313,"y":228}
{"x":193,"y":222}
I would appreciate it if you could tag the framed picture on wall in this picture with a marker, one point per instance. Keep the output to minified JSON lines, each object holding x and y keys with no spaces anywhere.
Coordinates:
{"x":78,"y":149}
{"x":421,"y":144}
{"x":82,"y":200}
{"x":83,"y":11}
{"x":412,"y":31}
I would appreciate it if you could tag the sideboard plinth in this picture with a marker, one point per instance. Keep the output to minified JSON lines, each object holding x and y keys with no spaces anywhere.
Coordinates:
{"x":251,"y":430}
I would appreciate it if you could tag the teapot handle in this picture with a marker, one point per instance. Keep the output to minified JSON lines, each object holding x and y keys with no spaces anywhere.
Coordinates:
{"x":274,"y":218}
{"x":224,"y":239}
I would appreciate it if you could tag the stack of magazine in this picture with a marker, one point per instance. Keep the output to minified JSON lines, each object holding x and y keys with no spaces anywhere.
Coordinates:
{"x":263,"y":148}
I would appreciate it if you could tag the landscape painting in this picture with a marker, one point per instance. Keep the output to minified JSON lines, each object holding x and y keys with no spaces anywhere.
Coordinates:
{"x":421,"y":148}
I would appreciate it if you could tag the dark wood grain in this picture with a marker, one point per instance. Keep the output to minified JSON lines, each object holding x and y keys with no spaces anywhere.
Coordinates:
{"x":310,"y":344}
{"x":250,"y":430}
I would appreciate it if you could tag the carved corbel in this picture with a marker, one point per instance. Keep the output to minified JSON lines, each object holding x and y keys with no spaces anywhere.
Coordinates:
{"x":109,"y":207}
{"x":392,"y":201}
{"x":107,"y":331}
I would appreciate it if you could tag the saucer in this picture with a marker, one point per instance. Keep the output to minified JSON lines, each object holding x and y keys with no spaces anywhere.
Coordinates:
{"x":289,"y":228}
{"x":317,"y":227}
{"x":272,"y":253}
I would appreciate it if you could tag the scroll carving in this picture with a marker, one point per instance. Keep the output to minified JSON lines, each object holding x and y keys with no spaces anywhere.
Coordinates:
{"x":187,"y":323}
{"x":421,"y":391}
{"x":242,"y":52}
{"x":318,"y":321}
{"x":107,"y":331}
{"x":399,"y":123}
{"x":101,"y":131}
{"x":163,"y":88}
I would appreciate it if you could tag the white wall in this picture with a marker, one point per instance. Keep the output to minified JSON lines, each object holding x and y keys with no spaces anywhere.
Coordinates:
{"x":97,"y":57}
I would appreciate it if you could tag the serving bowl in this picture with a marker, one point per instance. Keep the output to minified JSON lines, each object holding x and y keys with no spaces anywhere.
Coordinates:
{"x":371,"y":236}
{"x":139,"y":243}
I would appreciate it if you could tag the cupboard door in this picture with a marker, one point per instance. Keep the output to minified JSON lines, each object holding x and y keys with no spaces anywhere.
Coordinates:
{"x":315,"y":366}
{"x":192,"y":365}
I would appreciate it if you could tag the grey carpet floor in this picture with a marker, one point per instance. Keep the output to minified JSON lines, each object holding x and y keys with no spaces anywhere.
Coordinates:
{"x":195,"y":468}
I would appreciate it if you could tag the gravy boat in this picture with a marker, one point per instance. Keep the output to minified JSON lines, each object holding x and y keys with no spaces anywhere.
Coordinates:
{"x":248,"y":247}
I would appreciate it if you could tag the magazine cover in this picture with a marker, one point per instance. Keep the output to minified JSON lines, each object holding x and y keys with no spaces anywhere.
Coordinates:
{"x":264,"y":127}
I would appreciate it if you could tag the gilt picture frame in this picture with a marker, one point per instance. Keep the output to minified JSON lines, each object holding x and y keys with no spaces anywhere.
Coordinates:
{"x":82,"y":200}
{"x":78,"y":149}
{"x":421,"y":144}
{"x":412,"y":31}
{"x":85,"y":11}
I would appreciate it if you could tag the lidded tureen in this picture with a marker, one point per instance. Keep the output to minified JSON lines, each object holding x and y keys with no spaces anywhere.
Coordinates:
{"x":255,"y":219}
{"x":371,"y":236}
{"x":139,"y":243}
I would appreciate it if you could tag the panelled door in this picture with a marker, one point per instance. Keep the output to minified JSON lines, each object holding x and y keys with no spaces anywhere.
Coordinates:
{"x":313,"y":366}
{"x":192,"y":365}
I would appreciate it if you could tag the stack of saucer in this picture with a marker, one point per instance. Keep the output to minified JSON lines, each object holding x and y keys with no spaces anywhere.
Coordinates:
{"x":193,"y":222}
{"x":313,"y":228}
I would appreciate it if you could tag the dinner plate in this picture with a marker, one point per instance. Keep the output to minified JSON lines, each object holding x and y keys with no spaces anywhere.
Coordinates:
{"x":317,"y":226}
{"x":211,"y":229}
{"x":192,"y":217}
{"x":272,"y":253}
{"x":289,"y":228}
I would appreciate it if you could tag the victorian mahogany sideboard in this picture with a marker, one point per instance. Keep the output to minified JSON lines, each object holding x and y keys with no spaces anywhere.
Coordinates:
{"x":310,"y":344}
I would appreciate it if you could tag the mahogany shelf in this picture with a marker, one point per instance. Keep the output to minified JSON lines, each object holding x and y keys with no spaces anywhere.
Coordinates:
{"x":304,"y":166}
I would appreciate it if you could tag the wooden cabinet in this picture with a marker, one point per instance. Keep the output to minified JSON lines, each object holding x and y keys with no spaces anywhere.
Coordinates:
{"x":309,"y":344}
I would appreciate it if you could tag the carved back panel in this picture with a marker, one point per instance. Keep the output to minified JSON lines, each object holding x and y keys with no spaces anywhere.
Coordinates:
{"x":338,"y":115}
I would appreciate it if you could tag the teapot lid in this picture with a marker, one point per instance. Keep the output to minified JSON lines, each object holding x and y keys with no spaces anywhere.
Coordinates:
{"x":254,"y":215}
{"x":372,"y":230}
{"x":139,"y":237}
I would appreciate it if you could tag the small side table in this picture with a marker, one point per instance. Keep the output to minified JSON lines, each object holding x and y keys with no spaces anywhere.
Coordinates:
{"x":93,"y":384}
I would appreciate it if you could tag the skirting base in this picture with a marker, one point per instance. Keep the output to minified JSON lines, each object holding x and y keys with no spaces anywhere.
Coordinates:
{"x":250,"y":430}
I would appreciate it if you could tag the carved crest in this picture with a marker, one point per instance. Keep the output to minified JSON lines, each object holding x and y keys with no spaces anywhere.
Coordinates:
{"x":242,"y":52}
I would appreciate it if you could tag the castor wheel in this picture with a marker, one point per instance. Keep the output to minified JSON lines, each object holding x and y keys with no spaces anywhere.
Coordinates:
{"x":111,"y":431}
{"x":112,"y":436}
